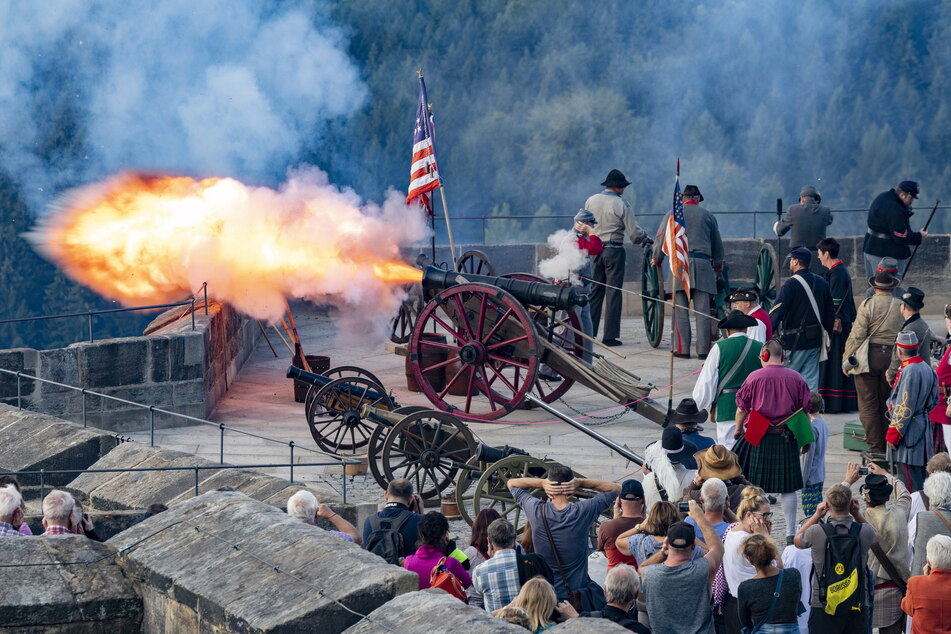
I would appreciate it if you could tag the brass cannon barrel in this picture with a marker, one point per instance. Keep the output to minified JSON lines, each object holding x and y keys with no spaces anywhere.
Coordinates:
{"x":527,"y":292}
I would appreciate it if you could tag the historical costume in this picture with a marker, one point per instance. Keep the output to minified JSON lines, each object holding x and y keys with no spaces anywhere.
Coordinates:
{"x":838,"y":389}
{"x":808,"y":221}
{"x":889,"y":230}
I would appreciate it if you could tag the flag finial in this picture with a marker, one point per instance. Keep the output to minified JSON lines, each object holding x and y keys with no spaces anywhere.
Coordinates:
{"x":419,"y":73}
{"x":678,"y":167}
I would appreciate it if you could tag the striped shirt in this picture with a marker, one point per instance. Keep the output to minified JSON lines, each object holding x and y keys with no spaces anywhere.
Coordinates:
{"x":7,"y":530}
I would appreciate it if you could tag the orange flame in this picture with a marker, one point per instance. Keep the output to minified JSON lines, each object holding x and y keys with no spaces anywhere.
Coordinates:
{"x":154,"y":239}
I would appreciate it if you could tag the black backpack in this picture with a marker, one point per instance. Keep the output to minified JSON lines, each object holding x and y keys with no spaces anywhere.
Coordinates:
{"x":531,"y":565}
{"x":842,"y":582}
{"x":385,"y":539}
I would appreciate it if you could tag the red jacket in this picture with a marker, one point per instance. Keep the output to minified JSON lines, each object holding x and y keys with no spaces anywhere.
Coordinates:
{"x":928,"y":602}
{"x":762,"y":316}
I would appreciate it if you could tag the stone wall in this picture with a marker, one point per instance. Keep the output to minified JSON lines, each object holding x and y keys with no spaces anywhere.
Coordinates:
{"x":173,"y":368}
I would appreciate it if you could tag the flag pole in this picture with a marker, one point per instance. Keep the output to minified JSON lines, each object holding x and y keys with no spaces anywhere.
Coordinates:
{"x":445,"y":211}
{"x":673,"y":334}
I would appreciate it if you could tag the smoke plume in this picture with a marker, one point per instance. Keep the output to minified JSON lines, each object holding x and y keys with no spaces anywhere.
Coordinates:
{"x":567,"y":260}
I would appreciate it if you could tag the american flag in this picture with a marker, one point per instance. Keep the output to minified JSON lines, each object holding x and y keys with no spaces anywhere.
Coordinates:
{"x":423,"y":175}
{"x":675,"y":240}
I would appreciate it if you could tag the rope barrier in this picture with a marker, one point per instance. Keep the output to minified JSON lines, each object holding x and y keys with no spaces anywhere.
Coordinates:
{"x":653,"y":299}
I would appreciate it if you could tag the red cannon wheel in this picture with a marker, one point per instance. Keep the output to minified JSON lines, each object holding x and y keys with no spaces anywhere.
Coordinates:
{"x":493,"y":338}
{"x":572,"y":343}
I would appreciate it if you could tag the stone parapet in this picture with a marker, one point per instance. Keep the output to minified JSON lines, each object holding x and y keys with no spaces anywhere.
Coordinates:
{"x":428,"y":611}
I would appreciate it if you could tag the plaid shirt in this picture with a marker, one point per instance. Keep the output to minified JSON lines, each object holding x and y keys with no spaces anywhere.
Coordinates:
{"x":7,"y":530}
{"x":497,"y":580}
{"x":57,"y":530}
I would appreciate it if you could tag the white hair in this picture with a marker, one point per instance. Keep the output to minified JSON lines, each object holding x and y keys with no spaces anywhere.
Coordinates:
{"x":938,"y":489}
{"x":303,"y":506}
{"x":622,"y":584}
{"x":938,"y":551}
{"x":10,"y":501}
{"x":713,"y":493}
{"x":58,"y":507}
{"x":660,"y":465}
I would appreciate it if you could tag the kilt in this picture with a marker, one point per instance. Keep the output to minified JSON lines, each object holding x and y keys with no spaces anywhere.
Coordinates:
{"x":774,"y":465}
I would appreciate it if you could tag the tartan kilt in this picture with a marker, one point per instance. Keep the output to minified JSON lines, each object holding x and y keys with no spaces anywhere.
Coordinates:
{"x":774,"y":465}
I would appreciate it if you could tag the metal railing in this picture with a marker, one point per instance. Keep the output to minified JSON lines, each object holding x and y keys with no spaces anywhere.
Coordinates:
{"x":89,"y":314}
{"x":152,"y":409}
{"x":43,"y":473}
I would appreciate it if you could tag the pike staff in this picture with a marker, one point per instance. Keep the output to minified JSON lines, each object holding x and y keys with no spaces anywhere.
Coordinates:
{"x":927,"y":224}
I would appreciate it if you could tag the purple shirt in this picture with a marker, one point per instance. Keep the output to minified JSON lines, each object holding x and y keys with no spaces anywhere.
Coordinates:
{"x":426,"y":558}
{"x":6,"y":530}
{"x":774,"y":391}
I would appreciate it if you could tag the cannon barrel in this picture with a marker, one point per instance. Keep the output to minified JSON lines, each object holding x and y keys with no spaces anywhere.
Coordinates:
{"x":293,"y":372}
{"x":529,"y":293}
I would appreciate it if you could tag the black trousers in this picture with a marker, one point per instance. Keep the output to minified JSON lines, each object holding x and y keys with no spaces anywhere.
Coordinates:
{"x":608,"y":269}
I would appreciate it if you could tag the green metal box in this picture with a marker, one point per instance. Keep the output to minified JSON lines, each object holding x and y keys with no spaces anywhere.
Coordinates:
{"x":854,"y":437}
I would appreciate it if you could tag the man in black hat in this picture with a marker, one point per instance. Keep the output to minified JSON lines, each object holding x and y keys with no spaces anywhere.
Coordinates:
{"x":889,"y":231}
{"x":687,"y":417}
{"x":912,"y":301}
{"x":746,"y":300}
{"x":808,"y":221}
{"x":706,"y":257}
{"x":614,"y":218}
{"x":731,"y":360}
{"x":803,"y":317}
{"x":665,"y":476}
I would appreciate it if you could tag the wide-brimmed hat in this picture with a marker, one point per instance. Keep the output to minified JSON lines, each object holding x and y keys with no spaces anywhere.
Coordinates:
{"x":878,"y":487}
{"x":615,"y":179}
{"x":802,"y":254}
{"x":909,"y":187}
{"x":693,"y":190}
{"x":674,"y":445}
{"x":687,"y":413}
{"x":808,"y":191}
{"x":737,"y":320}
{"x":585,"y":215}
{"x":717,"y":462}
{"x":883,"y":280}
{"x":914,"y":298}
{"x":907,"y":340}
{"x":744,"y":294}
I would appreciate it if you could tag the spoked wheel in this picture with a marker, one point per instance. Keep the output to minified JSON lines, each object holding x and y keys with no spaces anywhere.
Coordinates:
{"x":401,"y":328}
{"x":491,"y":491}
{"x":546,"y":388}
{"x":465,"y":488}
{"x":334,"y":415}
{"x":766,"y":267}
{"x":336,"y":373}
{"x":475,"y":262}
{"x":492,"y":336}
{"x":375,"y":445}
{"x":652,"y":289}
{"x":427,"y":448}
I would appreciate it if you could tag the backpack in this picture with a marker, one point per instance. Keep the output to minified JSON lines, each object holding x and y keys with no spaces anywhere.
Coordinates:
{"x":531,"y":565}
{"x":441,"y":578}
{"x":387,"y":542}
{"x":842,"y":582}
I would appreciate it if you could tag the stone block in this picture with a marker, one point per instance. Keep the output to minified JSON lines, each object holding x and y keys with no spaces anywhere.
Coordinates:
{"x":428,"y":611}
{"x":60,"y":365}
{"x":584,"y":626}
{"x":186,"y":356}
{"x":113,"y":362}
{"x":158,"y":355}
{"x":262,"y":487}
{"x":93,"y":597}
{"x":30,"y":441}
{"x":24,"y":360}
{"x":188,"y":393}
{"x":159,"y":395}
{"x":271,"y":572}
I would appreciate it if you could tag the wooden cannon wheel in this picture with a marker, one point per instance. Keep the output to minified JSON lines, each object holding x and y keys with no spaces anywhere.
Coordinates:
{"x":336,"y":373}
{"x":375,"y":445}
{"x":427,"y":448}
{"x":475,"y":262}
{"x":401,"y":328}
{"x":766,"y":268}
{"x":334,"y":414}
{"x":652,"y":289}
{"x":465,"y":489}
{"x":492,"y":336}
{"x":571,"y":342}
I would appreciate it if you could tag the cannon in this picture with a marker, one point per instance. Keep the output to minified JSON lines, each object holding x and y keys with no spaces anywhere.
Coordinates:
{"x":499,"y":331}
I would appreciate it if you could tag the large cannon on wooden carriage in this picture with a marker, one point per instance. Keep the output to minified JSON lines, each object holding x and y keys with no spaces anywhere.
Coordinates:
{"x":654,"y":299}
{"x":497,"y":333}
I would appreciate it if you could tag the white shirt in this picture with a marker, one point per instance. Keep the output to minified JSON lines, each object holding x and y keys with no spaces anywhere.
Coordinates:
{"x":650,"y":488}
{"x":801,"y":560}
{"x":758,"y":332}
{"x":706,"y":387}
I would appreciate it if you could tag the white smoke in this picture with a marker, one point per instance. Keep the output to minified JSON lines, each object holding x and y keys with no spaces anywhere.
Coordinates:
{"x":567,"y":260}
{"x":214,"y":87}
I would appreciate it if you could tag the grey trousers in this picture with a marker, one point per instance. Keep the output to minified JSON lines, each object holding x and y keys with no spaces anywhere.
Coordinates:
{"x":871,"y":265}
{"x":608,"y":269}
{"x":680,"y":343}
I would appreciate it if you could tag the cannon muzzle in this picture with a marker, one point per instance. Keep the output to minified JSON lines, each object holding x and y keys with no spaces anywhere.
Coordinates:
{"x":529,"y":293}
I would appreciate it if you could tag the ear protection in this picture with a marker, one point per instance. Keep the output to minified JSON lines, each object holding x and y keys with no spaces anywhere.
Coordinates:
{"x":765,"y":354}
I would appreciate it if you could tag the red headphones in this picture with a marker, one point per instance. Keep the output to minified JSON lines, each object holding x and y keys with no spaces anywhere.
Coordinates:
{"x":765,"y":355}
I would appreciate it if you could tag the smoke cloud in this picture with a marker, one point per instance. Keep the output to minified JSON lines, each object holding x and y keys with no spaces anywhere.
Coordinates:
{"x":216,"y":87}
{"x":567,"y":260}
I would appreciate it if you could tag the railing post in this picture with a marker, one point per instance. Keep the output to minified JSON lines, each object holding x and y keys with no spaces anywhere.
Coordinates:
{"x":19,"y":403}
{"x":221,"y":444}
{"x":83,"y":392}
{"x":343,"y":479}
{"x":42,"y":486}
{"x":193,"y":312}
{"x":204,"y":288}
{"x":151,"y":425}
{"x":291,"y":445}
{"x":89,"y":324}
{"x":196,"y":481}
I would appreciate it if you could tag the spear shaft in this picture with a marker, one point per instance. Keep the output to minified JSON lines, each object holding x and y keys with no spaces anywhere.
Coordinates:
{"x":927,"y":224}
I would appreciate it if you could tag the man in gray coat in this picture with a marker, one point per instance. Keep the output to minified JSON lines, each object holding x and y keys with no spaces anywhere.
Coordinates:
{"x":614,"y":217}
{"x":808,"y":221}
{"x":706,"y":257}
{"x":912,"y":301}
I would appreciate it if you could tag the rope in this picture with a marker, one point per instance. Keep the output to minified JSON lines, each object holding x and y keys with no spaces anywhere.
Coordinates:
{"x":653,"y":299}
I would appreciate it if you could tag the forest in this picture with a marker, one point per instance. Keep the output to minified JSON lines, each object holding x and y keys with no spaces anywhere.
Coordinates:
{"x":534,"y":102}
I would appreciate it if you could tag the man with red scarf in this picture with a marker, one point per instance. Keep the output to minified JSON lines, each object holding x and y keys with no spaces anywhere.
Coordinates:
{"x":914,"y":395}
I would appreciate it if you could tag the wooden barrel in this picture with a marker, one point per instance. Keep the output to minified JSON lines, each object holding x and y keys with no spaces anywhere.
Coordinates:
{"x":461,"y":386}
{"x":318,"y":365}
{"x":430,"y":356}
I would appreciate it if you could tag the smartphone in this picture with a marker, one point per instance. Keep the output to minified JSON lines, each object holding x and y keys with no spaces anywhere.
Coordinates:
{"x":684,"y":507}
{"x":863,"y":471}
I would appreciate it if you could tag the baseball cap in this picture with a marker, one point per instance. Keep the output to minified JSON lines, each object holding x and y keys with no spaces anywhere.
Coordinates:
{"x":632,"y":490}
{"x":681,"y":536}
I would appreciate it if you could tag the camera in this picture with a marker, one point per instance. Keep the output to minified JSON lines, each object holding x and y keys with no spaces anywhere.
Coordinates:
{"x":863,"y":471}
{"x":684,"y":507}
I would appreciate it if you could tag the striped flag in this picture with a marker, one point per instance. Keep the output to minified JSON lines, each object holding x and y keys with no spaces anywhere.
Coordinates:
{"x":423,"y":175}
{"x":675,"y":240}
